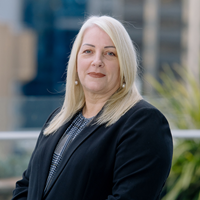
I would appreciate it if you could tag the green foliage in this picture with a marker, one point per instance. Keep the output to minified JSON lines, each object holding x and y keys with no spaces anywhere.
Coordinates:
{"x":184,"y":180}
{"x":180,"y":102}
{"x":180,"y":97}
{"x":14,"y":165}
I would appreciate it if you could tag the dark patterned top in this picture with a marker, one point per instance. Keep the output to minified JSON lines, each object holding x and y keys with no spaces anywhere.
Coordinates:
{"x":72,"y":131}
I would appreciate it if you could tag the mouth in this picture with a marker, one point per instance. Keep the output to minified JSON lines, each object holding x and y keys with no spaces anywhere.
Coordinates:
{"x":96,"y":75}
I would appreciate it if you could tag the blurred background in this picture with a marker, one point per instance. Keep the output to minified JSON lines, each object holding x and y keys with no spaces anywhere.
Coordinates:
{"x":36,"y":38}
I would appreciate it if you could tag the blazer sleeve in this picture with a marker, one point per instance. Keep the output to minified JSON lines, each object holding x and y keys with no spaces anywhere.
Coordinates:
{"x":143,"y":157}
{"x":21,"y":190}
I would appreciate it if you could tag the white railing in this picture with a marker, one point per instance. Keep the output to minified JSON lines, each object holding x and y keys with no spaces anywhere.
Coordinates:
{"x":186,"y":134}
{"x":14,"y":135}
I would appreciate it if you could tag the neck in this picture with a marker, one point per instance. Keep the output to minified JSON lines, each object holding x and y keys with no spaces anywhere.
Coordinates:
{"x":93,"y":106}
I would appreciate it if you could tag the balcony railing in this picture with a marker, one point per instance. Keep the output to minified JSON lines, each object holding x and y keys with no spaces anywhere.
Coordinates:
{"x":17,"y":135}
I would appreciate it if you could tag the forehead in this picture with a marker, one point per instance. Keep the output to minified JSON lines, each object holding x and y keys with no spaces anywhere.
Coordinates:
{"x":95,"y":34}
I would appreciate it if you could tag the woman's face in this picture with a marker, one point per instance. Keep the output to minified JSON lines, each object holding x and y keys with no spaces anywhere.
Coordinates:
{"x":97,"y":63}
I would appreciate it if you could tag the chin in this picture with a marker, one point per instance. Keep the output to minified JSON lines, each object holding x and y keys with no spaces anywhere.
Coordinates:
{"x":94,"y":88}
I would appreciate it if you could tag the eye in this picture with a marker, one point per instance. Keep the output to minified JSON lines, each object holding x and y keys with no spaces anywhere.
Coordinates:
{"x":87,"y":51}
{"x":110,"y":53}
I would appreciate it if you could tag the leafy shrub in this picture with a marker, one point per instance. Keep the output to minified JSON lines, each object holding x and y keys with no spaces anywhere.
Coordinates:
{"x":180,"y":101}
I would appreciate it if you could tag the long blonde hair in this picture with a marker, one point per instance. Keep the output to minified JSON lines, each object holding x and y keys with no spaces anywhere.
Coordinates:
{"x":123,"y":99}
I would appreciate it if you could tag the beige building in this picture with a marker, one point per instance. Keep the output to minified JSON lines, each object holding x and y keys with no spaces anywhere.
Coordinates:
{"x":17,"y":64}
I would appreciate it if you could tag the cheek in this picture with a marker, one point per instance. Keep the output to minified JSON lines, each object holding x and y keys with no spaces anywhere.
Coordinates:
{"x":79,"y":72}
{"x":82,"y":64}
{"x":115,"y":70}
{"x":79,"y":65}
{"x":81,"y":69}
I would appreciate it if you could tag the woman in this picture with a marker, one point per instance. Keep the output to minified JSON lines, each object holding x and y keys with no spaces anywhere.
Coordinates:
{"x":105,"y":142}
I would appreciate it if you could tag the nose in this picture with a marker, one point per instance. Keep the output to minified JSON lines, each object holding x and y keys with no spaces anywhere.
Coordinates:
{"x":98,"y":61}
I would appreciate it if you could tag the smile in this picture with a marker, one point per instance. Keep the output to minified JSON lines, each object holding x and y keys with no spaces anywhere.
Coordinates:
{"x":96,"y":75}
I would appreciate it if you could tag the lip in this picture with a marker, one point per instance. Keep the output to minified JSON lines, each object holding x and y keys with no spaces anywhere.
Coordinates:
{"x":96,"y":75}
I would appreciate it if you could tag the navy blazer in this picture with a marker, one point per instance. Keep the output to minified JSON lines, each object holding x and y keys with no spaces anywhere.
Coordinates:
{"x":129,"y":160}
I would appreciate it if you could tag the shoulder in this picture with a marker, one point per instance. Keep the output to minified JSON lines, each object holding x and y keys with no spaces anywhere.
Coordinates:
{"x":143,"y":105}
{"x":51,"y":116}
{"x":145,"y":121}
{"x":48,"y":120}
{"x":144,"y":126}
{"x":144,"y":110}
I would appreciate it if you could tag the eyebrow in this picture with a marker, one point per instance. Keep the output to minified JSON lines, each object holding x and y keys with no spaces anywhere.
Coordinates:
{"x":109,"y":47}
{"x":88,"y":45}
{"x":94,"y":46}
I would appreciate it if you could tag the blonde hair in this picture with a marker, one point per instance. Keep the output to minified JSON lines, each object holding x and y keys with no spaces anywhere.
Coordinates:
{"x":123,"y":99}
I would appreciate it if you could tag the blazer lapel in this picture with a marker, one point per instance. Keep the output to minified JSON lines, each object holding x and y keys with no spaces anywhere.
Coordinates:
{"x":87,"y":131}
{"x":47,"y":149}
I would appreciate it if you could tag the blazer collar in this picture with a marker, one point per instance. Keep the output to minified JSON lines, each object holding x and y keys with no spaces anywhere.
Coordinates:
{"x":79,"y":140}
{"x":48,"y":145}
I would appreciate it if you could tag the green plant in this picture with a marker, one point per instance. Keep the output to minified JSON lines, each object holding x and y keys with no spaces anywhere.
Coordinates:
{"x":180,"y":97}
{"x":13,"y":165}
{"x":180,"y":101}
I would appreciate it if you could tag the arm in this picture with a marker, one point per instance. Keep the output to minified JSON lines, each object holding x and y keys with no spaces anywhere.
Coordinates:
{"x":143,"y":157}
{"x":21,"y":190}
